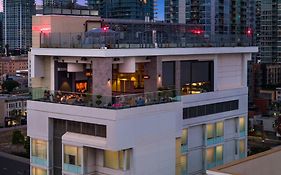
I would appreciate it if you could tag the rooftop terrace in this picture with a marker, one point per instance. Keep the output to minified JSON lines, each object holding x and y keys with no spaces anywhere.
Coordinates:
{"x":106,"y":38}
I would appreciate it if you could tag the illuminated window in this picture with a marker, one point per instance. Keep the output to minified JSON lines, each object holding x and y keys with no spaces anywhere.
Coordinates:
{"x":210,"y":155}
{"x":219,"y":129}
{"x":242,"y":146}
{"x":241,"y":124}
{"x":38,"y":171}
{"x":115,"y":159}
{"x":72,"y":155}
{"x":184,"y":137}
{"x":219,"y":153}
{"x":214,"y":154}
{"x":210,"y":131}
{"x":39,"y":149}
{"x":183,"y":163}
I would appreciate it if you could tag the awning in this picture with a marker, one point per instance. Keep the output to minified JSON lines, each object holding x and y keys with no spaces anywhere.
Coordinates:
{"x":76,"y":139}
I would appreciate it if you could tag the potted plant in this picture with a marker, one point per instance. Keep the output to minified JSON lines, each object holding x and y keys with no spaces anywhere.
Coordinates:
{"x":98,"y":100}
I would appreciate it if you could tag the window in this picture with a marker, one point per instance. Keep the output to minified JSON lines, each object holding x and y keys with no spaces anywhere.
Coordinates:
{"x":241,"y":146}
{"x":241,"y":124}
{"x":210,"y":131}
{"x":39,"y":149}
{"x":210,"y":155}
{"x":183,"y":163}
{"x":38,"y":171}
{"x":214,"y":156}
{"x":219,"y":153}
{"x":219,"y":129}
{"x":168,"y":74}
{"x":72,"y":155}
{"x":115,"y":159}
{"x":196,"y":76}
{"x":208,"y":109}
{"x":184,"y":137}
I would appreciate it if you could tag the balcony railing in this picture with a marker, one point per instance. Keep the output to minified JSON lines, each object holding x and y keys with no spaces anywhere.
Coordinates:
{"x":146,"y":39}
{"x":107,"y":102}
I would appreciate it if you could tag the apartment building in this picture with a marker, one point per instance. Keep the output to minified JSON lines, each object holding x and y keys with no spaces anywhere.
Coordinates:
{"x":17,"y":23}
{"x":114,"y":103}
{"x":10,"y":106}
{"x":10,"y":65}
{"x":213,"y":16}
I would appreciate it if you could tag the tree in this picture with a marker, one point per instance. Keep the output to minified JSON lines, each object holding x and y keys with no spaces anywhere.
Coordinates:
{"x":17,"y":138}
{"x":10,"y":85}
{"x":26,"y":145}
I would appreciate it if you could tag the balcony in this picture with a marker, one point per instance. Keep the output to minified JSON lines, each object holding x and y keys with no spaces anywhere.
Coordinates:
{"x":107,"y":102}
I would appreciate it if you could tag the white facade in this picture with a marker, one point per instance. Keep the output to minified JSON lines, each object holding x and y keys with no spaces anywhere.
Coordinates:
{"x":144,"y":140}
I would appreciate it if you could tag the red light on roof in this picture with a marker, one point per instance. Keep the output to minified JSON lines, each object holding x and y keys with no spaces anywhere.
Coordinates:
{"x":197,"y":31}
{"x":249,"y":31}
{"x":105,"y":29}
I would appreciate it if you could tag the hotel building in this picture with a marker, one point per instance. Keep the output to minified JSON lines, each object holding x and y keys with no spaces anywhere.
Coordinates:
{"x":107,"y":102}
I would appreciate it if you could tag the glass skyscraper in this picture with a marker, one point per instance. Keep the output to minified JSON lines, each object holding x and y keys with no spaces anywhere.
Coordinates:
{"x":124,"y":9}
{"x":213,"y":16}
{"x":18,"y":23}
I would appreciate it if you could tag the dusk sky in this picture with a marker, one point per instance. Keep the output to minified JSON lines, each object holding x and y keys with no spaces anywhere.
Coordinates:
{"x":160,"y":7}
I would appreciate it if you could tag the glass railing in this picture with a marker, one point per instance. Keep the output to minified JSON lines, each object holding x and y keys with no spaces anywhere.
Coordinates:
{"x":213,"y":141}
{"x":110,"y":39}
{"x":72,"y":168}
{"x":184,"y":149}
{"x":108,"y":102}
{"x":39,"y":161}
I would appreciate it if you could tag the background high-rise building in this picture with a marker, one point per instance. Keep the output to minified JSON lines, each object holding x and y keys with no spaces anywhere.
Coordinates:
{"x":214,"y":16}
{"x":63,"y":3}
{"x":269,"y":36}
{"x":124,"y":9}
{"x":18,"y":23}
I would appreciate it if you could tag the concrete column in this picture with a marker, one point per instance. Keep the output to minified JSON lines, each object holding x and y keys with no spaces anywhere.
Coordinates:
{"x":177,"y":75}
{"x":216,"y":66}
{"x":154,"y":70}
{"x":102,"y":76}
{"x":125,"y":153}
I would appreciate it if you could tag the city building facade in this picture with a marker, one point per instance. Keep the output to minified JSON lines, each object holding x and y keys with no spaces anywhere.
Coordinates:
{"x":18,"y":23}
{"x":10,"y":107}
{"x":125,"y":9}
{"x":213,"y":16}
{"x":144,"y":108}
{"x":10,"y":65}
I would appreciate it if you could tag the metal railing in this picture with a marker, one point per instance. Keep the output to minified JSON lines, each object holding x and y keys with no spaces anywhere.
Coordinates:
{"x":146,"y":39}
{"x":107,"y":102}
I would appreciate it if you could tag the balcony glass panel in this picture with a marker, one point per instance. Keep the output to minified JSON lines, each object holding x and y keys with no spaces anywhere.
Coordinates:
{"x":39,"y":152}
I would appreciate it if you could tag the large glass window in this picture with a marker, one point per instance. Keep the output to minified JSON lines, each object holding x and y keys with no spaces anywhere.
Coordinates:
{"x":210,"y":131}
{"x":39,"y":149}
{"x":183,"y":163}
{"x":219,"y":153}
{"x":241,"y":124}
{"x":72,"y":155}
{"x":115,"y":159}
{"x":38,"y":171}
{"x":196,"y":76}
{"x":219,"y":129}
{"x":168,"y":74}
{"x":242,"y":146}
{"x":184,"y":137}
{"x":210,"y":155}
